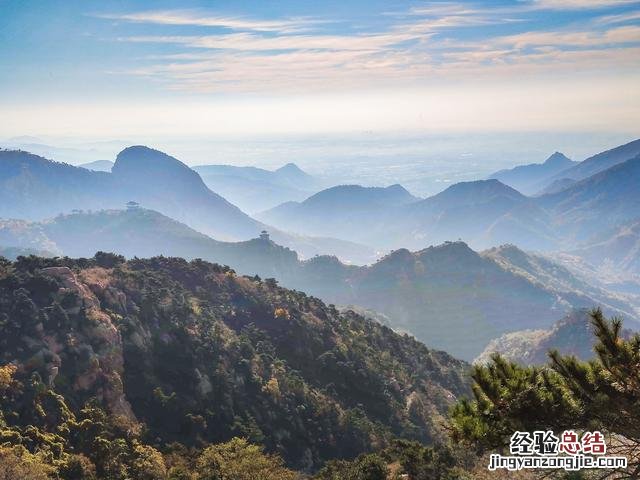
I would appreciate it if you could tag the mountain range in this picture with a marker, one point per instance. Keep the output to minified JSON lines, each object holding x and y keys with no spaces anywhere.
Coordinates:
{"x":527,"y":178}
{"x":255,"y":189}
{"x":34,"y":188}
{"x":598,"y":203}
{"x":456,"y":299}
{"x":439,"y":294}
{"x":595,"y":164}
{"x":173,"y":212}
{"x":483,"y":213}
{"x":142,"y":233}
{"x":339,"y":211}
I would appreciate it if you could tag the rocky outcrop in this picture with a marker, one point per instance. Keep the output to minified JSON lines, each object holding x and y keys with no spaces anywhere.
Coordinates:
{"x":96,"y":339}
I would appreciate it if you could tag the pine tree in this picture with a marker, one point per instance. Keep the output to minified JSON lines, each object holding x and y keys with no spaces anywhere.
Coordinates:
{"x":602,"y":394}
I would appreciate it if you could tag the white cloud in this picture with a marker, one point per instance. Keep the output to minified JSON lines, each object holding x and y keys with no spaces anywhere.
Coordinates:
{"x":621,"y":18}
{"x":578,"y":4}
{"x":402,"y":56}
{"x":202,"y":19}
{"x":580,"y":38}
{"x":252,"y":42}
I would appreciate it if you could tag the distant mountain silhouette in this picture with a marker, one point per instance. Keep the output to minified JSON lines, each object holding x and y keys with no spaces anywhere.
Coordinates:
{"x":342,"y":210}
{"x":256,"y":189}
{"x":572,"y":335}
{"x":557,"y":186}
{"x":619,"y":251}
{"x":456,"y":299}
{"x":476,"y":296}
{"x":98,"y":165}
{"x":525,"y":178}
{"x":596,"y":163}
{"x":163,"y":183}
{"x":483,"y":213}
{"x":34,"y":188}
{"x":143,"y":233}
{"x":598,"y":203}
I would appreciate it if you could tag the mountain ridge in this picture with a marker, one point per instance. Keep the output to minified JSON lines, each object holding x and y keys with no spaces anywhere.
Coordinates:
{"x":598,"y":162}
{"x":35,"y":188}
{"x":525,"y":178}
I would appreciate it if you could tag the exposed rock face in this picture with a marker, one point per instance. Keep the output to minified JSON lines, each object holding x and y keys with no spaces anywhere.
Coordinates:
{"x":572,"y":335}
{"x":97,"y":337}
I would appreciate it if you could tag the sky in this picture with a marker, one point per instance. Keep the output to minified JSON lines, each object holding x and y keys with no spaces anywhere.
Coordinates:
{"x":229,"y":67}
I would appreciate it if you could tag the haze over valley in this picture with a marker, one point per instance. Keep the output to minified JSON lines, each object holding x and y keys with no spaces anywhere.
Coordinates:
{"x":478,"y":257}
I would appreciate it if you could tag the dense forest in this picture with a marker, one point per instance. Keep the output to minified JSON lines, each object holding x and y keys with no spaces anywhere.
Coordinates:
{"x":145,"y":369}
{"x":174,"y":370}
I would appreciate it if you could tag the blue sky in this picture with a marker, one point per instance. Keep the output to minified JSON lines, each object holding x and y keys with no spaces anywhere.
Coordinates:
{"x":87,"y":67}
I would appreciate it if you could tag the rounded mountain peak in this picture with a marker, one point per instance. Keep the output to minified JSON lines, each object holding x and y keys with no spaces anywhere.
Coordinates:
{"x":139,"y":161}
{"x":139,"y":156}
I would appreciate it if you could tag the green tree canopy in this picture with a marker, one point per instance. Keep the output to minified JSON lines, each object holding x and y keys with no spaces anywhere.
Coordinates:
{"x":240,"y":460}
{"x":602,"y":394}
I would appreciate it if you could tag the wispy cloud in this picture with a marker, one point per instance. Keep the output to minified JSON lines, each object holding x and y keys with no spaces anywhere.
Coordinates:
{"x":252,"y":42}
{"x":412,"y":46}
{"x":202,"y":19}
{"x":620,"y":18}
{"x":580,"y":38}
{"x":579,"y":4}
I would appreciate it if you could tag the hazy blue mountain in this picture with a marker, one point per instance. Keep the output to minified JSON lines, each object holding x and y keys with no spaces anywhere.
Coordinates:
{"x":599,"y":203}
{"x":477,"y":296}
{"x":525,"y":178}
{"x":453,"y":297}
{"x":350,"y":211}
{"x":34,"y":188}
{"x":255,"y":189}
{"x":596,"y":163}
{"x":483,"y":213}
{"x":144,"y":233}
{"x":548,"y":273}
{"x":557,"y":186}
{"x":618,"y":250}
{"x":141,"y":233}
{"x":163,"y":183}
{"x":98,"y":165}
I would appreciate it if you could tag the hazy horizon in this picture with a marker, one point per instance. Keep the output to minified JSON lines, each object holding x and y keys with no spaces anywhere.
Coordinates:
{"x":87,"y":69}
{"x":424,"y":164}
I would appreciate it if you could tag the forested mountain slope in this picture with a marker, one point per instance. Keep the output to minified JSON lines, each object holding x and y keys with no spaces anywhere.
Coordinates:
{"x":190,"y":352}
